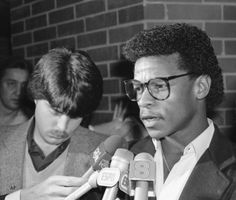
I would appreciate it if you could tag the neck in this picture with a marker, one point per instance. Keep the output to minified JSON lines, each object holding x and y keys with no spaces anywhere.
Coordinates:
{"x":174,"y":144}
{"x":172,"y":151}
{"x":7,"y":116}
{"x":181,"y":138}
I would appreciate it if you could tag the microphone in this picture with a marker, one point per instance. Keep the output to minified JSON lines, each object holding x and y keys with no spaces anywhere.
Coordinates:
{"x":107,"y":177}
{"x":102,"y":154}
{"x":91,"y":183}
{"x":142,"y":177}
{"x":120,"y":160}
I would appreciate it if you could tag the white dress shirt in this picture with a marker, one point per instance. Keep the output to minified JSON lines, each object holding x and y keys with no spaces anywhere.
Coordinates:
{"x":172,"y":187}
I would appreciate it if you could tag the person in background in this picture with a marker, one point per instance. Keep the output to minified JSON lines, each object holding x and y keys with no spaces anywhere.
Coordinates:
{"x":125,"y":122}
{"x":177,"y":81}
{"x":14,"y":74}
{"x":45,"y":157}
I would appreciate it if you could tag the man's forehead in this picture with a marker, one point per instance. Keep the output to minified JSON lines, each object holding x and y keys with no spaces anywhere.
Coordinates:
{"x":16,"y":74}
{"x":143,"y":68}
{"x":155,"y":64}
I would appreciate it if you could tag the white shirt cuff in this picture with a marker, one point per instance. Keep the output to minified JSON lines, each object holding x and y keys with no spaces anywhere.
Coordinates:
{"x":13,"y":196}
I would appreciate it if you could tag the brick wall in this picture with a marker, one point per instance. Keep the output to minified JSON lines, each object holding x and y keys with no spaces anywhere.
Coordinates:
{"x":101,"y":26}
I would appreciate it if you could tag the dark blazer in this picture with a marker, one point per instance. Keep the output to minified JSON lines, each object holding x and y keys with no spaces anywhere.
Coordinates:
{"x":12,"y":150}
{"x":213,"y":177}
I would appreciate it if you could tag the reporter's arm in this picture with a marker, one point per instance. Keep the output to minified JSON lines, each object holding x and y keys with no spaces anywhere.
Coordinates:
{"x":53,"y":188}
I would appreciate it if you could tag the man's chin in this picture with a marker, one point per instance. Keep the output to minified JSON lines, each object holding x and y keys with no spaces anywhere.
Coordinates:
{"x":155,"y":134}
{"x":56,"y":141}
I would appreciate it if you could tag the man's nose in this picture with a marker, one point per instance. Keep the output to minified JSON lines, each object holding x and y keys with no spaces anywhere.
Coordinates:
{"x":62,"y":122}
{"x":18,"y":89}
{"x":145,"y":98}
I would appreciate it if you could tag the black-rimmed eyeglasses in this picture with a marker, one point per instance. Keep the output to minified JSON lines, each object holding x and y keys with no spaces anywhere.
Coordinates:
{"x":158,"y":88}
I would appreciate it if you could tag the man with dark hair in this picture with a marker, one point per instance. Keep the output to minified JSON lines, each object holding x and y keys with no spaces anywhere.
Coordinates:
{"x":45,"y":157}
{"x":177,"y":82}
{"x":14,"y":74}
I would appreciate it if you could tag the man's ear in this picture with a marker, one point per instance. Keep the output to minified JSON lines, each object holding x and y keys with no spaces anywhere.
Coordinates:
{"x":202,"y":86}
{"x":35,"y":101}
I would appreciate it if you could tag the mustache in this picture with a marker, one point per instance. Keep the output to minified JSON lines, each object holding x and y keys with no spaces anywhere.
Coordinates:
{"x":61,"y":134}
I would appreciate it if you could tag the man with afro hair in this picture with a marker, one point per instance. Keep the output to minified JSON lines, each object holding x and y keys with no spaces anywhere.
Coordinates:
{"x":177,"y":83}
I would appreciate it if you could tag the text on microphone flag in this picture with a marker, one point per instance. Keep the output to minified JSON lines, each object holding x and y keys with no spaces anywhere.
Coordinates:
{"x":108,"y":177}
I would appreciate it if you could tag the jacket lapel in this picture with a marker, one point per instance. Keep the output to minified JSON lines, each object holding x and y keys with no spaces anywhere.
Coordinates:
{"x":81,"y":146}
{"x":207,"y":181}
{"x":76,"y":163}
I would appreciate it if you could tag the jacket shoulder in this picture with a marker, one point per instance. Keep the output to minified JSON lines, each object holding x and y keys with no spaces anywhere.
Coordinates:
{"x":85,"y":140}
{"x":230,"y":170}
{"x":13,"y":132}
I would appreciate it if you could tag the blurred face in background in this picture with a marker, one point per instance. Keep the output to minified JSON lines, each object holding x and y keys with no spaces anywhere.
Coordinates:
{"x":11,"y":87}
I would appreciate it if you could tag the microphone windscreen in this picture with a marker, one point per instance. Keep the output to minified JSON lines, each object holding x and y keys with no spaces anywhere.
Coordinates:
{"x":112,"y":143}
{"x":102,"y":154}
{"x":121,"y":158}
{"x":143,"y":156}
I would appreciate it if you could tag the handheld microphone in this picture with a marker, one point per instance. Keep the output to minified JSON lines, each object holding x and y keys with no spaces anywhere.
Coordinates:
{"x":101,"y":156}
{"x":120,"y":160}
{"x":91,"y":183}
{"x":107,"y":177}
{"x":142,"y":177}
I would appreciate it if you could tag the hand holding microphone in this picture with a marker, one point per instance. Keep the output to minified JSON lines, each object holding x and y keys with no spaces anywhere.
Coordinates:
{"x":107,"y":177}
{"x":91,"y":183}
{"x":53,"y":188}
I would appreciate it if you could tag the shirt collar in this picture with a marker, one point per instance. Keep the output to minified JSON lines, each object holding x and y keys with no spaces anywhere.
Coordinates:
{"x":199,"y":145}
{"x":156,"y":143}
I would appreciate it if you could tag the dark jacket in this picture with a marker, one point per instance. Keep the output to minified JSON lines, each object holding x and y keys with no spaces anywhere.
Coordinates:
{"x":213,"y":177}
